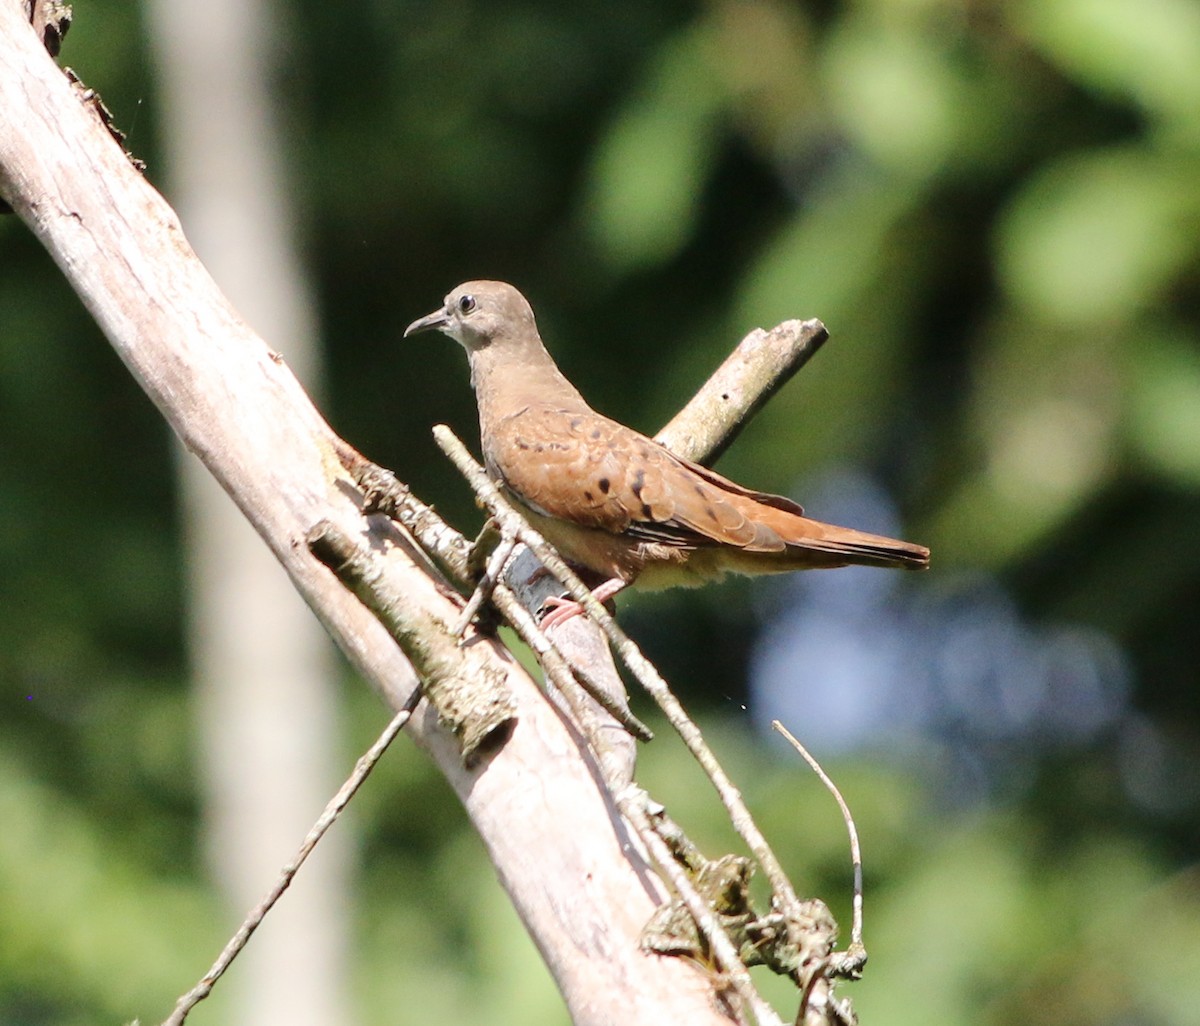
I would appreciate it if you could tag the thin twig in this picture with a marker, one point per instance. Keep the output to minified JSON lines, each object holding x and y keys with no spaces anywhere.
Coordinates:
{"x":856,"y":940}
{"x":362,"y":770}
{"x":487,"y":584}
{"x":509,"y":519}
{"x":556,"y":666}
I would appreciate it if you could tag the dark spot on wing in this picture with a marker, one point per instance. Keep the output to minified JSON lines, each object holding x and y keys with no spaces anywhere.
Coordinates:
{"x":639,"y":482}
{"x":647,"y":512}
{"x":712,"y":513}
{"x":575,"y":422}
{"x":596,"y":432}
{"x":605,"y":485}
{"x":588,"y":495}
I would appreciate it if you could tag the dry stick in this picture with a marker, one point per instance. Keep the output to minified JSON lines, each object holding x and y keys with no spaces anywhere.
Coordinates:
{"x":556,"y":666}
{"x":632,"y":804}
{"x":386,"y":494}
{"x":362,"y":770}
{"x":512,"y":521}
{"x":567,"y":679}
{"x":761,"y":364}
{"x":562,"y":675}
{"x":487,"y":584}
{"x":856,"y":941}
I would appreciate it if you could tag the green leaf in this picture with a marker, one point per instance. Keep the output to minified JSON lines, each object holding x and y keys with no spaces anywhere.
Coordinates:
{"x":1099,"y":237}
{"x":1164,"y":407}
{"x":1147,"y":51}
{"x":648,"y":172}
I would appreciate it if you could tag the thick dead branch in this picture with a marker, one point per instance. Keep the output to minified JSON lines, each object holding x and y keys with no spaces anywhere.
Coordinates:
{"x":549,"y":825}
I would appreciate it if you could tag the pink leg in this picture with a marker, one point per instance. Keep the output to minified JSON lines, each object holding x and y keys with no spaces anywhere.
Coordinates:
{"x":563,"y":609}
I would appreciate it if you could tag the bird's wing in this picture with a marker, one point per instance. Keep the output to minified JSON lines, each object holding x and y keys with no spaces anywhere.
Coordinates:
{"x":579,"y":466}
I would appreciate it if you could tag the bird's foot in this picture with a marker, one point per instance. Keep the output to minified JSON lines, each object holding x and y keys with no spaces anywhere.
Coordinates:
{"x":560,"y":609}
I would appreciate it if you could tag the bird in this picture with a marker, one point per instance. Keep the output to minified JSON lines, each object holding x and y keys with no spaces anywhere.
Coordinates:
{"x":612,"y":501}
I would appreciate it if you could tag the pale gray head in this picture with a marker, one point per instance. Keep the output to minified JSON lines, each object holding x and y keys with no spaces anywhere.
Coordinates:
{"x":479,"y":313}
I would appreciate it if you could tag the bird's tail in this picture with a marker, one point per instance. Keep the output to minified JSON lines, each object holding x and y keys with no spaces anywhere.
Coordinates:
{"x":780,"y":524}
{"x":818,"y":544}
{"x":863,"y":549}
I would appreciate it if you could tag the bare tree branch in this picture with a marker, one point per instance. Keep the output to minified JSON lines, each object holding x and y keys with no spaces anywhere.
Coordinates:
{"x":550,"y":826}
{"x":762,"y":363}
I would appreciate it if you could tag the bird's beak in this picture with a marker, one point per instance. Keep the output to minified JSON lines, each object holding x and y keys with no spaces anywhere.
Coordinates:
{"x":436,"y":321}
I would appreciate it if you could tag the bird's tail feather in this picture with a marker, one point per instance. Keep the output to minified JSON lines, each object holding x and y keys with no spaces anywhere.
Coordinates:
{"x":860,"y":548}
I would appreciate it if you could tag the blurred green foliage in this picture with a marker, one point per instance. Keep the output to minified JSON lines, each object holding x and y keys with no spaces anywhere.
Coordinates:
{"x":994,"y":206}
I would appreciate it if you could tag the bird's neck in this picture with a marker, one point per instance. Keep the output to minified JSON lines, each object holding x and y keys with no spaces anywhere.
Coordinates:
{"x":507,"y":382}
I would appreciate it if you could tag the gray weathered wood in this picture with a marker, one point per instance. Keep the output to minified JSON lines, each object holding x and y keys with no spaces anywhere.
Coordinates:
{"x":550,"y":830}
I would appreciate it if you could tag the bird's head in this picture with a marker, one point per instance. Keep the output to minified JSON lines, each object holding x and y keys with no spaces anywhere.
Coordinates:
{"x":480,"y":313}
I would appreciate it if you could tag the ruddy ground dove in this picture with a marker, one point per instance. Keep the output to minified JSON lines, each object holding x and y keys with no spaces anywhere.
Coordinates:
{"x":609,"y":499}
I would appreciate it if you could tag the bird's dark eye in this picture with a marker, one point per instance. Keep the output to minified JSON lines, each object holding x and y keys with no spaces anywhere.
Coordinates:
{"x":466,"y":304}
